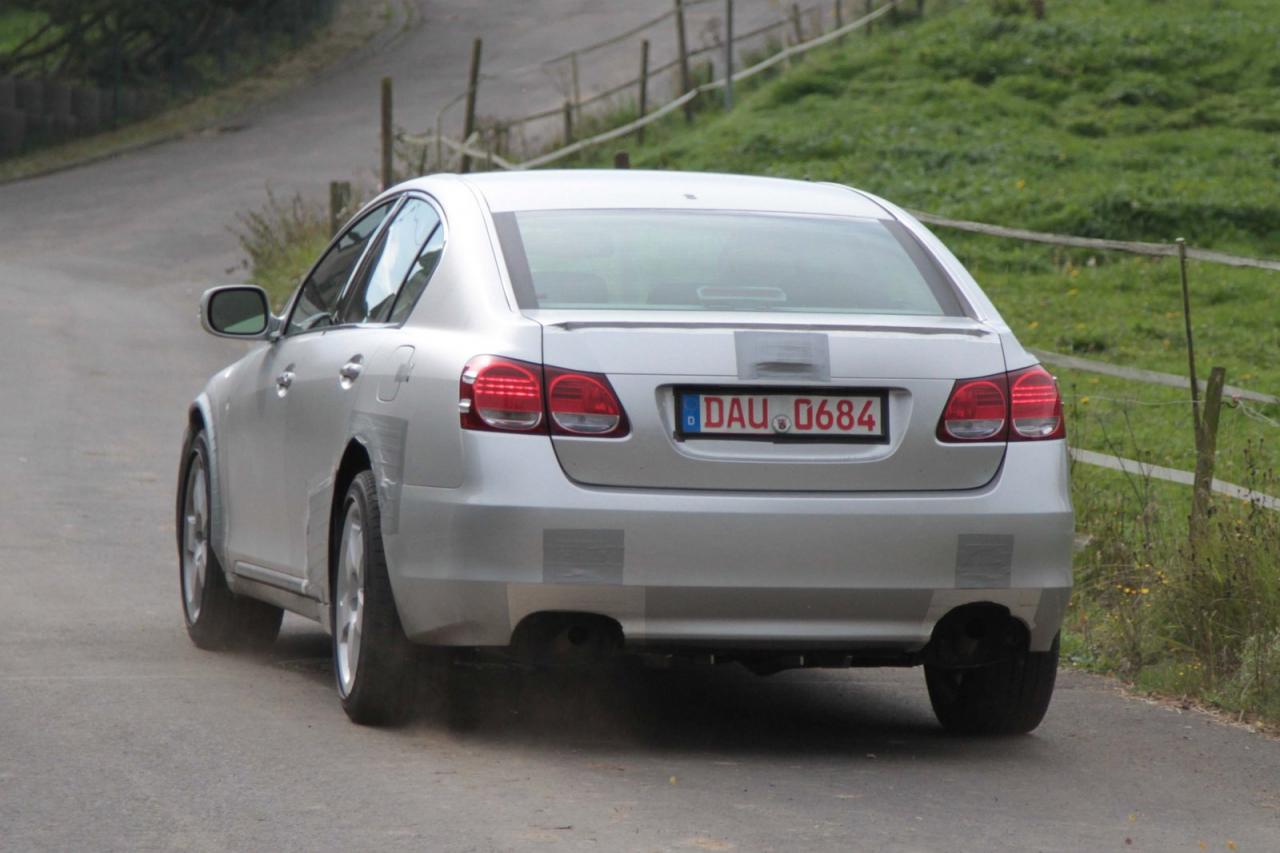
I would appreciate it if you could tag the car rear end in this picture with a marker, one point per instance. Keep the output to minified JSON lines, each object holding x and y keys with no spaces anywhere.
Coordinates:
{"x":766,"y":419}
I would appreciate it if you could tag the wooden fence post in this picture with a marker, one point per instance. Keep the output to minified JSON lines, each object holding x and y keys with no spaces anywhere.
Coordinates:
{"x":339,"y":201}
{"x":866,"y":5}
{"x":728,"y":54}
{"x":1191,"y":344}
{"x":644,"y":87}
{"x":622,"y":160}
{"x":1206,"y":457}
{"x":577,"y":90}
{"x":568,"y":122}
{"x":683,"y":48}
{"x":469,"y":117}
{"x":387,"y":134}
{"x":839,"y":13}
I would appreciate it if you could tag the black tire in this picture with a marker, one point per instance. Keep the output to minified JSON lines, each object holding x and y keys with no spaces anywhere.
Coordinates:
{"x":379,"y":690}
{"x":1005,"y":698}
{"x":216,"y":618}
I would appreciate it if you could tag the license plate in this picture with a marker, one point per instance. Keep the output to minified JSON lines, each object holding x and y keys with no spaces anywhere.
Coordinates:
{"x":858,"y":416}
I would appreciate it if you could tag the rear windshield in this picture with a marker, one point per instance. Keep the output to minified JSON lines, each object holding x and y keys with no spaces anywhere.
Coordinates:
{"x":719,"y":261}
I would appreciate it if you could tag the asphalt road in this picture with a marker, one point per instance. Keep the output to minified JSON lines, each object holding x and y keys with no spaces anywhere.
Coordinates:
{"x":117,"y":734}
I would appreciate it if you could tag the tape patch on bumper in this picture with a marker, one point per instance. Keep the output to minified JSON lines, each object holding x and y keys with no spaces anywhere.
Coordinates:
{"x":582,"y":556}
{"x":984,"y":561}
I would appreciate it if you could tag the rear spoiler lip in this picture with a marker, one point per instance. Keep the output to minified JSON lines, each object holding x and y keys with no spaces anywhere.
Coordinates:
{"x":575,"y":325}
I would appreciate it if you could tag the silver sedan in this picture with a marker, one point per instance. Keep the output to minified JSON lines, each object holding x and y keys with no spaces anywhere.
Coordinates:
{"x":572,"y":413}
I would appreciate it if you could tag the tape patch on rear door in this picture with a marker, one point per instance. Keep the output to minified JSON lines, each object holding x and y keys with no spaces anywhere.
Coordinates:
{"x":582,"y":556}
{"x":984,"y":561}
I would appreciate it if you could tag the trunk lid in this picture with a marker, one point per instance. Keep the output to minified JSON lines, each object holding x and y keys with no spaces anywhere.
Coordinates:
{"x":651,"y":357}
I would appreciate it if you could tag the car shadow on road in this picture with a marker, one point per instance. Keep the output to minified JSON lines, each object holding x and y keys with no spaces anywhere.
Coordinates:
{"x":882,"y":714}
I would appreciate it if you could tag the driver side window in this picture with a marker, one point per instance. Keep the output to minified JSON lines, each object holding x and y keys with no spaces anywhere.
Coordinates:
{"x":318,"y":298}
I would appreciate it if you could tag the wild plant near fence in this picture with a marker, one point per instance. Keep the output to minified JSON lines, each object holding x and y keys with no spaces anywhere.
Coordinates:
{"x":1198,"y":618}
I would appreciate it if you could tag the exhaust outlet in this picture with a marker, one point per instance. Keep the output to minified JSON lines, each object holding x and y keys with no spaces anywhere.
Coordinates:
{"x":566,"y":638}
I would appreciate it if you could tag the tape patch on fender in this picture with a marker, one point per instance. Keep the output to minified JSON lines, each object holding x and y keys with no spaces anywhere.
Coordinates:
{"x":384,"y":438}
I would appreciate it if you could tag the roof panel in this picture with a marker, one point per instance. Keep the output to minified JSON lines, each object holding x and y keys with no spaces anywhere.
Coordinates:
{"x":588,"y":188}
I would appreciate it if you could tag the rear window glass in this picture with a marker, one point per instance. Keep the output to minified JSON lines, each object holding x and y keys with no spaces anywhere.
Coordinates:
{"x":719,"y":261}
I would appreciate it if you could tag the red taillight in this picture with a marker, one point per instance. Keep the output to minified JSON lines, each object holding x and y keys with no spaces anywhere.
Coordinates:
{"x":506,"y":395}
{"x":1020,"y":406}
{"x":1034,"y":405}
{"x":977,"y":410}
{"x":501,"y":394}
{"x":583,"y":404}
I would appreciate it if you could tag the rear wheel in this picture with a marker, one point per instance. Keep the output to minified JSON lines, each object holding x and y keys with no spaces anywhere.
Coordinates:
{"x":216,"y":618}
{"x":374,"y":663}
{"x":1008,"y":697}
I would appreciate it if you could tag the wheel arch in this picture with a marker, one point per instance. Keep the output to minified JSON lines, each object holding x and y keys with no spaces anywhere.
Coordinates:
{"x":200,"y":420}
{"x":355,"y":458}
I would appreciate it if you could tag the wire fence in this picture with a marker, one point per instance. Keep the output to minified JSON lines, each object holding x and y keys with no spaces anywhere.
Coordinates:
{"x":522,"y":141}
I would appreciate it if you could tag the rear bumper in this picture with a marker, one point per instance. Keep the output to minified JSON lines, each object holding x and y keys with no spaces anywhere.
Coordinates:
{"x":870,"y":571}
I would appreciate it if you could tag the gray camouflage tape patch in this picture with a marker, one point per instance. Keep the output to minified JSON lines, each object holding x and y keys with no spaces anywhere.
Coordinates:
{"x":384,"y":437}
{"x":1048,"y":618}
{"x":984,"y":561}
{"x":319,"y":501}
{"x":582,"y":556}
{"x":783,"y":355}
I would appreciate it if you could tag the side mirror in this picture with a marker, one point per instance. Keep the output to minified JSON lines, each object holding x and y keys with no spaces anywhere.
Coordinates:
{"x":236,"y":311}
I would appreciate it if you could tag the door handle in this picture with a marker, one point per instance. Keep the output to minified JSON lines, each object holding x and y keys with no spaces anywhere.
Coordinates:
{"x":351,"y":371}
{"x":284,"y":380}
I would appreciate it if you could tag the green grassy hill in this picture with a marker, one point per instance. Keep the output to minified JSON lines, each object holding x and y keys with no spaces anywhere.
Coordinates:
{"x":1141,"y":119}
{"x":1126,"y":119}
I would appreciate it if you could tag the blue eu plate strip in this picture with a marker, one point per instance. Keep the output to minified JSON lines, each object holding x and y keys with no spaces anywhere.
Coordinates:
{"x":691,"y":413}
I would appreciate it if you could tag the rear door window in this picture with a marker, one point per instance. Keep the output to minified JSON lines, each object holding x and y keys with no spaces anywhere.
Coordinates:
{"x":426,"y":263}
{"x":396,"y":258}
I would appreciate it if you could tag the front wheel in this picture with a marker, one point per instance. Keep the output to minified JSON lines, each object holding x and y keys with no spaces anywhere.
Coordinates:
{"x":374,"y":663}
{"x":1004,"y":698}
{"x":216,"y":618}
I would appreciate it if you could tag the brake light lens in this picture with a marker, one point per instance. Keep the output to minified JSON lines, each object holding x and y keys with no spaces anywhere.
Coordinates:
{"x":505,"y":395}
{"x":977,"y":410}
{"x":500,"y":394}
{"x":1035,"y":405}
{"x":1023,"y":405}
{"x":583,"y":404}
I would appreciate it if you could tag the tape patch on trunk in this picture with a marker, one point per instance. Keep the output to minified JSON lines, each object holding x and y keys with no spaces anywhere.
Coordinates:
{"x":783,"y":355}
{"x":984,"y":561}
{"x":582,"y":556}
